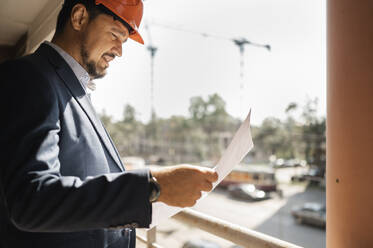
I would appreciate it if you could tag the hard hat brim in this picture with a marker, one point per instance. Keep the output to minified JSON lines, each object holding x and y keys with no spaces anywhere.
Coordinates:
{"x":137,"y":37}
{"x":133,"y":12}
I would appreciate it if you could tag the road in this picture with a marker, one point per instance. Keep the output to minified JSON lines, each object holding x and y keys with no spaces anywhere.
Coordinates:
{"x":271,"y":217}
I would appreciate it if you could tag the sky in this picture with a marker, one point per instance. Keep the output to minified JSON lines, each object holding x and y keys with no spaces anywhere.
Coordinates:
{"x":188,"y":64}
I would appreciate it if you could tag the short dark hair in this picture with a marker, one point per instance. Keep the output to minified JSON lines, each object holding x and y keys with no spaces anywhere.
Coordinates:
{"x":93,"y":10}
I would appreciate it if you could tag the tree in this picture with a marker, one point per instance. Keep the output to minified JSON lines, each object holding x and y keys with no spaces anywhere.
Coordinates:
{"x":205,"y":134}
{"x":197,"y":108}
{"x":291,"y":107}
{"x":293,"y":139}
{"x":314,"y":134}
{"x":129,"y":114}
{"x":215,"y":122}
{"x":211,"y":114}
{"x":271,"y":137}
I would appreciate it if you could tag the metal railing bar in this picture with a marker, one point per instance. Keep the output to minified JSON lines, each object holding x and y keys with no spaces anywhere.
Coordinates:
{"x":143,"y":240}
{"x":239,"y":235}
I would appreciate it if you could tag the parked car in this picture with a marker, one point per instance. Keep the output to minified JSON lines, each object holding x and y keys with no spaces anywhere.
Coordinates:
{"x":310,"y":213}
{"x":313,"y":175}
{"x":200,"y":244}
{"x":247,"y":192}
{"x":278,"y":163}
{"x":282,"y":163}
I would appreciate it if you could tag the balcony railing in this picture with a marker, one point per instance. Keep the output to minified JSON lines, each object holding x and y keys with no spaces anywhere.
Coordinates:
{"x":239,"y":235}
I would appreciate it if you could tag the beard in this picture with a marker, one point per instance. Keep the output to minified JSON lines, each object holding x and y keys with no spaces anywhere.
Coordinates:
{"x":90,"y":65}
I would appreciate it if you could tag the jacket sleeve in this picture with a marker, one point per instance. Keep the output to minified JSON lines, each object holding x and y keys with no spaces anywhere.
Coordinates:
{"x":37,"y":197}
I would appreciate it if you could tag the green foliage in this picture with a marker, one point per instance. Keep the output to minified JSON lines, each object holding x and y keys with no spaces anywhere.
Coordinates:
{"x":129,"y":114}
{"x":205,"y":134}
{"x":202,"y":136}
{"x":291,"y":139}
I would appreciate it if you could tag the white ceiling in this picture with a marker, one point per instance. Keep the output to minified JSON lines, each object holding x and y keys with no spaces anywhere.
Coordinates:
{"x":16,"y":16}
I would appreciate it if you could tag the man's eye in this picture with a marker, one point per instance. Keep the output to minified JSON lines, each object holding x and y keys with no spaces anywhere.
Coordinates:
{"x":114,"y":36}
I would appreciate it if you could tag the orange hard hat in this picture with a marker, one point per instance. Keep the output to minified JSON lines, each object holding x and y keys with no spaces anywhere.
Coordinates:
{"x":130,"y":11}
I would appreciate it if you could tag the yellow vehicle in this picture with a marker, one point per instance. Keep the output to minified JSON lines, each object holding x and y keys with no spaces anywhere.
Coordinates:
{"x":262,"y":177}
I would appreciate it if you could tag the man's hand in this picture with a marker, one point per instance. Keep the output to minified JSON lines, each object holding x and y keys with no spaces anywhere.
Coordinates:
{"x":181,"y":185}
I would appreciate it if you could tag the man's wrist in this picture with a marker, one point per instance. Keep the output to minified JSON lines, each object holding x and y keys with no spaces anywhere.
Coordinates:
{"x":154,"y":188}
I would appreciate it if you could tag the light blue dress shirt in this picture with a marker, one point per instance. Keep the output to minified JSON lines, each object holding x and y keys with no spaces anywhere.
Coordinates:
{"x":78,"y":70}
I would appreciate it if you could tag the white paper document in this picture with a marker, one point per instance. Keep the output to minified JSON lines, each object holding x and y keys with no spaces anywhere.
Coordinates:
{"x":241,"y":144}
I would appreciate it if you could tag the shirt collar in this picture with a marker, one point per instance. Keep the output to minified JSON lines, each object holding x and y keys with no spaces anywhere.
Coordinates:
{"x":78,"y":70}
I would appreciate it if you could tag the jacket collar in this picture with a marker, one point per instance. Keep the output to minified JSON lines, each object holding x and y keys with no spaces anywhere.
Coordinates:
{"x":60,"y":64}
{"x":78,"y":70}
{"x":76,"y":89}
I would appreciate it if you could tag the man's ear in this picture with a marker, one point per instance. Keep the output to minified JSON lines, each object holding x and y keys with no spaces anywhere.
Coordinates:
{"x":79,"y":17}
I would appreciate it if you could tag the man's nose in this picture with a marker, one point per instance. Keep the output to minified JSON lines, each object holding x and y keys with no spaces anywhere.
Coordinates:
{"x":117,"y":50}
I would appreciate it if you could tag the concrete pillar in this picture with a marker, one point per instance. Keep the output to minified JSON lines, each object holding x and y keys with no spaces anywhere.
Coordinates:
{"x":350,"y":124}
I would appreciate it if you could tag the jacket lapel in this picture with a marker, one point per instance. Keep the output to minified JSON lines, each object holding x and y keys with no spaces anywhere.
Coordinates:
{"x":86,"y":105}
{"x":77,"y":91}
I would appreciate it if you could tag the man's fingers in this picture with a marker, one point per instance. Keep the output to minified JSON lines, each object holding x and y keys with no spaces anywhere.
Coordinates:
{"x":206,"y":186}
{"x":199,"y":195}
{"x":211,"y":175}
{"x":182,"y":185}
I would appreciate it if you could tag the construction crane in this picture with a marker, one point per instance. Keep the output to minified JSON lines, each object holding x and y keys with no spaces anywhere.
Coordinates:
{"x":152,"y":50}
{"x":241,"y":43}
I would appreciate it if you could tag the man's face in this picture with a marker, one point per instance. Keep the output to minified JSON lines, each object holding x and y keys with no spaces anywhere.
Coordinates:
{"x":102,"y":41}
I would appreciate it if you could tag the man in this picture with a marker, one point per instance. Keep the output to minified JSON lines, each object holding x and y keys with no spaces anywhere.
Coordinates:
{"x":62,"y":184}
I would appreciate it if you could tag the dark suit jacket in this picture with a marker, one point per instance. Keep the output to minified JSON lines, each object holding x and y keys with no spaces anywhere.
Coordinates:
{"x":62,"y":183}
